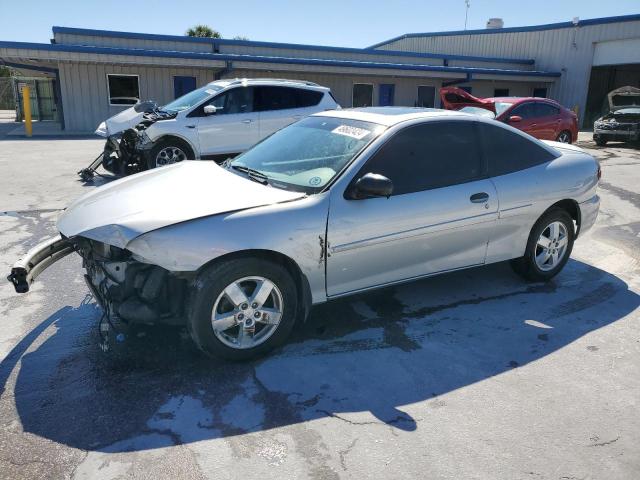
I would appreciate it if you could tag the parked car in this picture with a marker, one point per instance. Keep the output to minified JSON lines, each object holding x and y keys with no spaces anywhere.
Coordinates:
{"x":335,"y":204}
{"x":542,"y":118}
{"x":622,"y":122}
{"x":214,"y":122}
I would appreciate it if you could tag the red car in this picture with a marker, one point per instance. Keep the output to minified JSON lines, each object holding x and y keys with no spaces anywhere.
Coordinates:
{"x":540,"y":117}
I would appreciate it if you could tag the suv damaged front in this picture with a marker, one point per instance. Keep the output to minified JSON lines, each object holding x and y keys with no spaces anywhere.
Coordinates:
{"x":622,"y":122}
{"x":126,"y":138}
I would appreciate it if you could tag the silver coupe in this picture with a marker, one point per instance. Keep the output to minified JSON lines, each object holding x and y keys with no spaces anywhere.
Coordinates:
{"x":335,"y":204}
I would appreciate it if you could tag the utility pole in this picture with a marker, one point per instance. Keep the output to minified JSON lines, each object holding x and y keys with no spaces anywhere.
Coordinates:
{"x":466,"y":12}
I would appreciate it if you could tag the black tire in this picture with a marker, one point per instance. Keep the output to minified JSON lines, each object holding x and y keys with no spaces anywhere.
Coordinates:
{"x":210,"y":284}
{"x":526,"y":266}
{"x":566,"y":134}
{"x":601,"y":142}
{"x":167,"y":143}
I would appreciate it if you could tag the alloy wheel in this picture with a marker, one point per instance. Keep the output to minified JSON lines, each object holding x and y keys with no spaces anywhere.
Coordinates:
{"x":169,"y":155}
{"x":247,"y":312}
{"x":564,"y":137}
{"x":551,"y":246}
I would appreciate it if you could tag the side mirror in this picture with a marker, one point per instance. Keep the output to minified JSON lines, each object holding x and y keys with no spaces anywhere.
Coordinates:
{"x":369,"y":186}
{"x":515,"y":118}
{"x":211,"y":110}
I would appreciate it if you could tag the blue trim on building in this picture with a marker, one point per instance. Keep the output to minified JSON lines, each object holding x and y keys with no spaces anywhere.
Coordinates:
{"x":532,"y":28}
{"x":267,"y":59}
{"x":292,"y":46}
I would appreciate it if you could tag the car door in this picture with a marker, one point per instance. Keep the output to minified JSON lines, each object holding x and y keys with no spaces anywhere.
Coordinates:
{"x":233,"y":128}
{"x":438,"y":218}
{"x":276,"y":107}
{"x":548,"y":120}
{"x":527,"y":122}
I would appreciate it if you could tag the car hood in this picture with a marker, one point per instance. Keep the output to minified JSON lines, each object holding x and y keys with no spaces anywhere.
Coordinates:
{"x":120,"y":211}
{"x":128,"y":118}
{"x":623,"y":97}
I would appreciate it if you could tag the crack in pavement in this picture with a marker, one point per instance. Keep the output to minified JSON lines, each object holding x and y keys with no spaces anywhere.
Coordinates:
{"x":603,"y":444}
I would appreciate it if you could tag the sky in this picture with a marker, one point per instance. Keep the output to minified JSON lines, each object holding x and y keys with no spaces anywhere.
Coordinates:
{"x":347,"y":23}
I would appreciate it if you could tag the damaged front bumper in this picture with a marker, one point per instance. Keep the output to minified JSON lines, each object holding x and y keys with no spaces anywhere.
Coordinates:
{"x":27,"y":269}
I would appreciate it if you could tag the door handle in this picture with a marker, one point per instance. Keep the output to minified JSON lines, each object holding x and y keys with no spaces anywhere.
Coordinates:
{"x":248,"y":120}
{"x":190,"y":126}
{"x":481,"y":197}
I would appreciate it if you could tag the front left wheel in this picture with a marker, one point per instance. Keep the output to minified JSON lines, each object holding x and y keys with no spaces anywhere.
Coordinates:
{"x":564,"y":137}
{"x":167,"y":152}
{"x":242,"y":308}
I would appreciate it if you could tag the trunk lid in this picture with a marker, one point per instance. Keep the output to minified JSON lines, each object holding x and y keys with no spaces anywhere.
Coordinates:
{"x":118,"y":212}
{"x":454,"y":98}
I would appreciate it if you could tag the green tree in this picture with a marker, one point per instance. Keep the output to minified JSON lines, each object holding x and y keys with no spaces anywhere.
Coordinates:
{"x":5,"y":71}
{"x":203,"y":31}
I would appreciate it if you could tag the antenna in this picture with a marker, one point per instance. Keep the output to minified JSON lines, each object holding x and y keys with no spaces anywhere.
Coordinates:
{"x":466,"y":12}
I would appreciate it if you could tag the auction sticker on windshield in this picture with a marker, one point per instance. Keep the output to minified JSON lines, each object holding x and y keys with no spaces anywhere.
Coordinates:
{"x":349,"y":131}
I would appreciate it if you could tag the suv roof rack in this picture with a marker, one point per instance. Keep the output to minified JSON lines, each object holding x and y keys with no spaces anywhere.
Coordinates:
{"x":304,"y":82}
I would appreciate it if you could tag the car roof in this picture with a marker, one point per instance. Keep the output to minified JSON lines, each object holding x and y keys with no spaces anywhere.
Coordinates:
{"x":267,"y":81}
{"x":389,"y":116}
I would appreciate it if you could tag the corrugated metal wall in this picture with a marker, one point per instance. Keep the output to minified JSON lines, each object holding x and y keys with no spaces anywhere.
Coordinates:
{"x":85,"y":93}
{"x":569,"y":50}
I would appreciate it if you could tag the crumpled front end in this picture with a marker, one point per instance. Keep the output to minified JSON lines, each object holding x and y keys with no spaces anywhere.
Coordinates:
{"x":130,"y":290}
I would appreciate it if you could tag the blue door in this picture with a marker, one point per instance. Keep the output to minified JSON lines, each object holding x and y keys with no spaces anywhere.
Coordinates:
{"x":386,"y":94}
{"x":183,"y":85}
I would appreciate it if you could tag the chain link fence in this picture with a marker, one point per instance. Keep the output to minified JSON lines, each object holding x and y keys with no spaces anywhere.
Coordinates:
{"x":7,"y":99}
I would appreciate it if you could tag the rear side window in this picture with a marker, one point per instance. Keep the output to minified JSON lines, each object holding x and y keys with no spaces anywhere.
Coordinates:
{"x":307,"y":98}
{"x":526,"y":111}
{"x":508,"y":152}
{"x":546,"y":110}
{"x":274,"y":98}
{"x":428,"y":156}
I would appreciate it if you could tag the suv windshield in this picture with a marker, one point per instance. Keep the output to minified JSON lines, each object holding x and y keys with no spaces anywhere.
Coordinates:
{"x":192,"y":98}
{"x":307,"y":155}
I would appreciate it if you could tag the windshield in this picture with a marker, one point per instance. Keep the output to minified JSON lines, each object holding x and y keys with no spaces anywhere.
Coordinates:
{"x":308,"y":154}
{"x":192,"y":98}
{"x":501,"y":107}
{"x":482,"y":112}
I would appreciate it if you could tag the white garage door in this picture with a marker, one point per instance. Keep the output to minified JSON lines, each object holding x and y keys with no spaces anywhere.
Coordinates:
{"x":617,"y":52}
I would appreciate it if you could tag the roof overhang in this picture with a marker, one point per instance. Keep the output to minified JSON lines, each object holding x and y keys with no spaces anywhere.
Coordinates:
{"x":39,"y":52}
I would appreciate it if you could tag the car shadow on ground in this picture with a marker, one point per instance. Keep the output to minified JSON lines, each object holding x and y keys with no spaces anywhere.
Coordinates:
{"x":376,"y":353}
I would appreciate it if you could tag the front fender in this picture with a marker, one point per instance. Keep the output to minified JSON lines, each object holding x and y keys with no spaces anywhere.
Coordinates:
{"x":296,"y":229}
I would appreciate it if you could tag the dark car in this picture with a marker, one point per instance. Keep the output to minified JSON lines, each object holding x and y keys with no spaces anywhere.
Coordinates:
{"x":542,"y":118}
{"x":622,"y":122}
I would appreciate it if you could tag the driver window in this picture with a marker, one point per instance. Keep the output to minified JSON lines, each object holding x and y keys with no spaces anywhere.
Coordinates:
{"x":238,"y":100}
{"x":428,"y":156}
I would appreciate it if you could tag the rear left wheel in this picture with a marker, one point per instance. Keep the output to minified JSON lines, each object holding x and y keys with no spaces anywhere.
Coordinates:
{"x":548,"y":248}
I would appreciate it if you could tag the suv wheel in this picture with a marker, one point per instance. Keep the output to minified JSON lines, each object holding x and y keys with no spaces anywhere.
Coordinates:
{"x":601,"y":142}
{"x":548,"y":248}
{"x":243,"y":308}
{"x":167,"y":152}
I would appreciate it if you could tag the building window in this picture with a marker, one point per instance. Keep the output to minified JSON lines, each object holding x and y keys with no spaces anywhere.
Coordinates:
{"x":501,"y":92}
{"x":426,"y":96}
{"x":123,"y":89}
{"x":362,"y":95}
{"x":540,"y":92}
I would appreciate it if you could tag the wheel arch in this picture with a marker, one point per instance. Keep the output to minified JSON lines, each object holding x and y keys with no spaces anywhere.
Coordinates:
{"x":572,"y":208}
{"x":299,"y":278}
{"x":180,"y":138}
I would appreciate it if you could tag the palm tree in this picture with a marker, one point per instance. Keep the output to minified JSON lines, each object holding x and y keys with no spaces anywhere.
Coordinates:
{"x":203,"y":31}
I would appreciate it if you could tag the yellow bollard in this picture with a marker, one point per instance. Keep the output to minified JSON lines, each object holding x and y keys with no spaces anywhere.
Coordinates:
{"x":26,"y":105}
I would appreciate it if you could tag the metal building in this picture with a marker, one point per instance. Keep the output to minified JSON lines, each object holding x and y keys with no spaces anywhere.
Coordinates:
{"x":97,"y":73}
